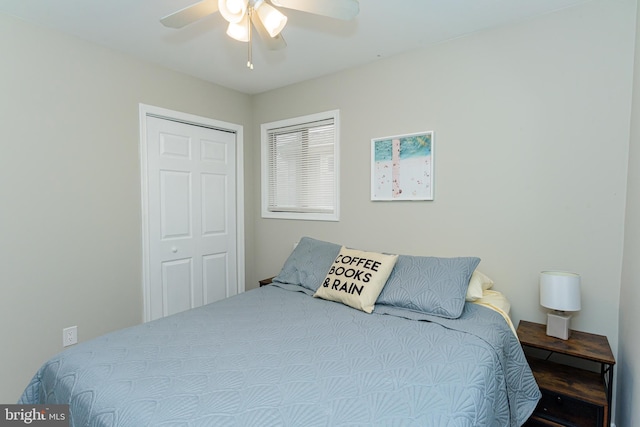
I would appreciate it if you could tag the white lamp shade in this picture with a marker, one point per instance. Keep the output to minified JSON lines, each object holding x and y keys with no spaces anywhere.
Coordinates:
{"x":233,"y":10}
{"x":272,"y":19}
{"x":560,"y":290}
{"x":239,"y":30}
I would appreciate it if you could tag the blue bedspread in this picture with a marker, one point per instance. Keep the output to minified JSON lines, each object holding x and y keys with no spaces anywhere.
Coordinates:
{"x":276,"y":356}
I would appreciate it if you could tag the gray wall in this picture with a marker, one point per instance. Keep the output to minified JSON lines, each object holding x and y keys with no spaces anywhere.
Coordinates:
{"x":531,"y":147}
{"x":70,"y":187}
{"x":628,"y":368}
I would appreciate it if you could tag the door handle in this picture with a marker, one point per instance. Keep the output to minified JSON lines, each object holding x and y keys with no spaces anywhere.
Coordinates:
{"x":174,"y":249}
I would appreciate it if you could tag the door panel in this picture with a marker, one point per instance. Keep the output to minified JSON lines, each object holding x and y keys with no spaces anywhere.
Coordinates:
{"x":175,"y":146}
{"x":175,"y":205}
{"x":214,"y":272}
{"x":177,"y":286}
{"x":214,"y":151}
{"x":192,"y":212}
{"x":214,"y":188}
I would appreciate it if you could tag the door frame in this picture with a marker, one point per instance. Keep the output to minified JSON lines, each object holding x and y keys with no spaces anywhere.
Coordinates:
{"x":163,"y":113}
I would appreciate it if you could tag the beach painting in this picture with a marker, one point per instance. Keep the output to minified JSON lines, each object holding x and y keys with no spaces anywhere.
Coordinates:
{"x":402,"y":167}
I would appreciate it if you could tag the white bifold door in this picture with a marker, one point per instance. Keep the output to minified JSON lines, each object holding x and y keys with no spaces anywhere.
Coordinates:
{"x":191,"y":173}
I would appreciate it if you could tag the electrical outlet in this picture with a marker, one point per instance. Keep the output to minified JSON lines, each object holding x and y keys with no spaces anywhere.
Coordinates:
{"x":69,"y":336}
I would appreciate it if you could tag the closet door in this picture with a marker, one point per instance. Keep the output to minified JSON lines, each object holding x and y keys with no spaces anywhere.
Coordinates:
{"x":192,"y":224}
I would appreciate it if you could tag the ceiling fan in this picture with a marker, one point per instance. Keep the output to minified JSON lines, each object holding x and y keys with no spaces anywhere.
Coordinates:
{"x":268,"y":21}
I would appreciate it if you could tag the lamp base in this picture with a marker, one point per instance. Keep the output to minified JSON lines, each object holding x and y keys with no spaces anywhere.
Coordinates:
{"x":558,"y":325}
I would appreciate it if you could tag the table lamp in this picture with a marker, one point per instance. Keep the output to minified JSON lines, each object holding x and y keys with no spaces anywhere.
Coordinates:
{"x":559,"y":291}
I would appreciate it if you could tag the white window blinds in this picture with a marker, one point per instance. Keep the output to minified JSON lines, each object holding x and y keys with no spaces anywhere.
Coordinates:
{"x":300,"y":161}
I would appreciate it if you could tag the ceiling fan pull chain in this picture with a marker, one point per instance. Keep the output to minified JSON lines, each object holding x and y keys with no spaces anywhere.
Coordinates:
{"x":250,"y":53}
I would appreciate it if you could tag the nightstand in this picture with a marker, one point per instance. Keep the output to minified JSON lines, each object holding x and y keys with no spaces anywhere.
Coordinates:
{"x":570,"y":396}
{"x":265,"y":281}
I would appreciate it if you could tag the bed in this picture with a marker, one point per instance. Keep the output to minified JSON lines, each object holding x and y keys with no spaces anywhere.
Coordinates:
{"x":278,"y":356}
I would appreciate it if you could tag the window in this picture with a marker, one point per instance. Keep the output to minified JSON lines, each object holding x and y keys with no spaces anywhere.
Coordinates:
{"x":300,"y":168}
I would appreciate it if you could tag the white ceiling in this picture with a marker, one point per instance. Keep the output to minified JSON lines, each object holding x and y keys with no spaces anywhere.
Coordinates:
{"x":316,"y":45}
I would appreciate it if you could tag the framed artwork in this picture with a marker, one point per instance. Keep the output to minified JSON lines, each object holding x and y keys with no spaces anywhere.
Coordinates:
{"x":402,"y":167}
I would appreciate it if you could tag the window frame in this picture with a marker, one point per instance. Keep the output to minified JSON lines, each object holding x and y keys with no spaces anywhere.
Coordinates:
{"x":265,"y":129}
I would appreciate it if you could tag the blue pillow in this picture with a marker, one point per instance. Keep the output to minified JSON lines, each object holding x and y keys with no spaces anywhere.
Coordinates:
{"x":431,"y":285}
{"x":309,"y":263}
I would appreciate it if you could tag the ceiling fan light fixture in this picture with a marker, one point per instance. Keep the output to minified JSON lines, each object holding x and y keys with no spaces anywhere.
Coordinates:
{"x":272,"y":19}
{"x":267,"y":20}
{"x":233,"y":10}
{"x":239,"y":30}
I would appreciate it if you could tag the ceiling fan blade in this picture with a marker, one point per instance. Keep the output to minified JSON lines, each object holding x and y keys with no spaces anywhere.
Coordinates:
{"x":340,"y":9}
{"x":190,"y":14}
{"x":273,"y":43}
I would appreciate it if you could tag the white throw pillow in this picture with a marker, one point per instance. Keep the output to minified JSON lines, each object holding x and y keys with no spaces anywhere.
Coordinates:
{"x":356,"y":278}
{"x":478,"y":283}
